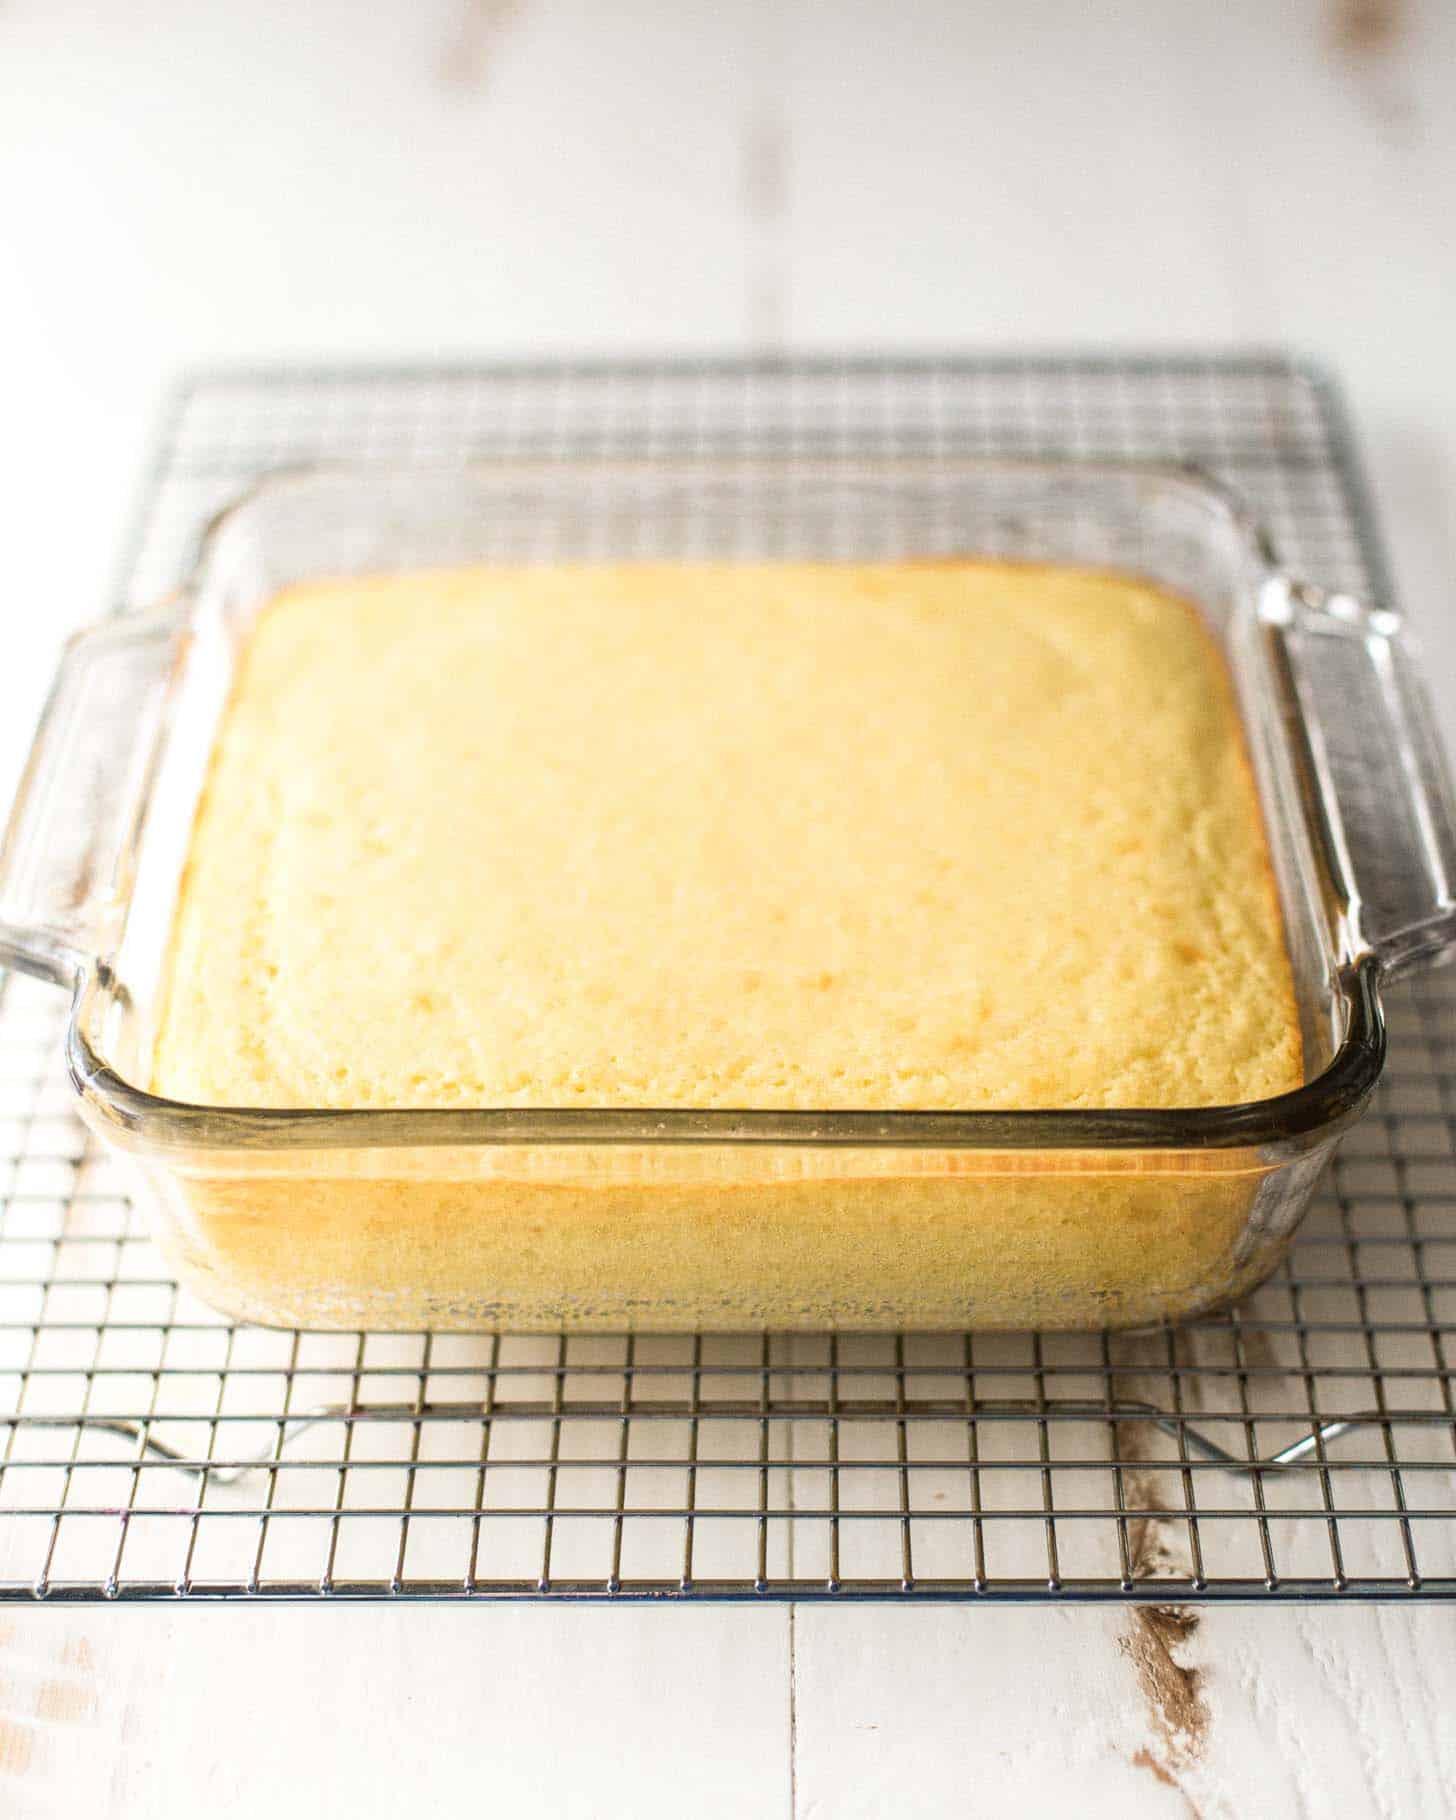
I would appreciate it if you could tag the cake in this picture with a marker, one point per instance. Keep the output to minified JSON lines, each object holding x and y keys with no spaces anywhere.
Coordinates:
{"x":952,"y":834}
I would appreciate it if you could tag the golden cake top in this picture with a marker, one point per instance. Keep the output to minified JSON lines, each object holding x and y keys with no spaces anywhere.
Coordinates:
{"x":942,"y":835}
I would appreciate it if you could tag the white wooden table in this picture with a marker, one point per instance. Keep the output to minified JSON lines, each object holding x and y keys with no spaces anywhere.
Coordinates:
{"x":461,"y":177}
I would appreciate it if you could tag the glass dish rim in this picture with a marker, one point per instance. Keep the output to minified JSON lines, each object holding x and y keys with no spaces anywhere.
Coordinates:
{"x":1283,"y":1124}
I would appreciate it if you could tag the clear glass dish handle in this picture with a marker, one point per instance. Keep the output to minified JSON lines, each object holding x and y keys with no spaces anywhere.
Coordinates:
{"x":1372,"y":769}
{"x":64,"y":862}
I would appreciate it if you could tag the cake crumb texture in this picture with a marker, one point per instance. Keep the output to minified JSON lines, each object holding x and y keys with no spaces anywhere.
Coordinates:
{"x":937,"y":835}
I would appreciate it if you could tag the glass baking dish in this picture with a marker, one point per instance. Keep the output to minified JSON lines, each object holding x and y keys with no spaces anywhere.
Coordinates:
{"x":579,"y":1218}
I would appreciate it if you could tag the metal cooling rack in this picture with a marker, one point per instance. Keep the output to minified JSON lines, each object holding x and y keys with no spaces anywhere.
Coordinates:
{"x":1302,"y":1447}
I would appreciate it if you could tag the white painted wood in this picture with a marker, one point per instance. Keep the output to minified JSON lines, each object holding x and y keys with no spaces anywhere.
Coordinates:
{"x":460,"y":176}
{"x":568,"y":1714}
{"x":983,"y":1714}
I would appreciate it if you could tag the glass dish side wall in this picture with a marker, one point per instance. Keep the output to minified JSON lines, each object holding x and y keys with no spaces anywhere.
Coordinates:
{"x":726,"y":1239}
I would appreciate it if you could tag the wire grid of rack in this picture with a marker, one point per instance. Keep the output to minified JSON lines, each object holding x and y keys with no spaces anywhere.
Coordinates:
{"x":150,"y":1449}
